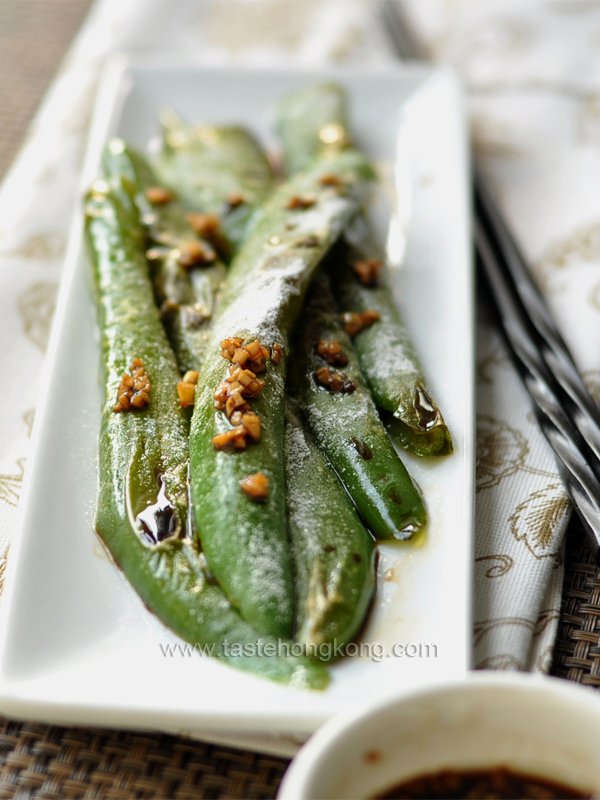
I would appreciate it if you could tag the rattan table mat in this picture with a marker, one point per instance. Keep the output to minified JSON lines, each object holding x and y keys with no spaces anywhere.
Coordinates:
{"x":51,"y":761}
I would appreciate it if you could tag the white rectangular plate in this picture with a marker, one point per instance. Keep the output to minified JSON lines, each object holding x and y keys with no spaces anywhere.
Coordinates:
{"x":77,"y":644}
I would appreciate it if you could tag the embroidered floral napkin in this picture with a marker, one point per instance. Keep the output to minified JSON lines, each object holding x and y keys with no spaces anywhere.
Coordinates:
{"x":532,"y":74}
{"x":532,"y":77}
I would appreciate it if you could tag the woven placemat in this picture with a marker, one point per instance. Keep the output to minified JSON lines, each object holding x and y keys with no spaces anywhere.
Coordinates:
{"x":34,"y":36}
{"x":577,"y":650}
{"x":58,"y":763}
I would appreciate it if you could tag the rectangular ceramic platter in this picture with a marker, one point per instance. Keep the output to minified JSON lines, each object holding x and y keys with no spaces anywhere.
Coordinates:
{"x":77,"y":644}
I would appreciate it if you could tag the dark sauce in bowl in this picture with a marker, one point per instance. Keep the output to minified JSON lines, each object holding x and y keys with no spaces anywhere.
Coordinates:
{"x":486,"y":784}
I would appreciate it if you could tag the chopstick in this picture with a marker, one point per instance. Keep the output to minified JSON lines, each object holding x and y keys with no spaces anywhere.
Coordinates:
{"x":565,"y":411}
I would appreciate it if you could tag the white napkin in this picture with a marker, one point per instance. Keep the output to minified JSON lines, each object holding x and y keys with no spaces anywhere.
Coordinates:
{"x":531,"y":70}
{"x":532,"y":75}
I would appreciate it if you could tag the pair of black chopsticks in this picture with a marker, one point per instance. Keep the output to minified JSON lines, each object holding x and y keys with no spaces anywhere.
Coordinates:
{"x":565,"y":411}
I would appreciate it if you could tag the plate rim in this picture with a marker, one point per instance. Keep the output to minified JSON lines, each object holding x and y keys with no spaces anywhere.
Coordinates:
{"x":112,"y":82}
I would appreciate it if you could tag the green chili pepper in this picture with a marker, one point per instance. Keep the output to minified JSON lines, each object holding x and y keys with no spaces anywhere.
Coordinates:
{"x":385,"y":352}
{"x":334,"y":556}
{"x":245,"y":541}
{"x":338,"y":406}
{"x":186,"y":294}
{"x":307,"y":124}
{"x":143,"y":493}
{"x":312,"y":121}
{"x":218,"y":170}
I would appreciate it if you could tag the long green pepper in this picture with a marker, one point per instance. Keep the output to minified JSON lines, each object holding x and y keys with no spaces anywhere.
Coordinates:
{"x":385,"y":351}
{"x":186,"y":296}
{"x":347,"y":426}
{"x":313,"y":121}
{"x":334,"y":556}
{"x":246,"y":542}
{"x":142,"y":505}
{"x":215,"y":169}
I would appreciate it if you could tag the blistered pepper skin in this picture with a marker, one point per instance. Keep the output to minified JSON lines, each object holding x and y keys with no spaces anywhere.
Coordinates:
{"x":347,"y":426}
{"x":142,"y":449}
{"x":313,"y":121}
{"x":246,"y":542}
{"x":334,"y":556}
{"x":385,"y":351}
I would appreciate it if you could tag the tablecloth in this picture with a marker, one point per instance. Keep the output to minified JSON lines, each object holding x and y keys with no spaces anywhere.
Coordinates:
{"x":531,"y":74}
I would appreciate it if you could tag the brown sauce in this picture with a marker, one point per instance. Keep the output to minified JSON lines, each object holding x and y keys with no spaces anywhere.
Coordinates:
{"x":498,"y":783}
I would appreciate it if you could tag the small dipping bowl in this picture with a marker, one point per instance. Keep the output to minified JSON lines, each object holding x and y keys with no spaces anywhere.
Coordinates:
{"x":537,"y":725}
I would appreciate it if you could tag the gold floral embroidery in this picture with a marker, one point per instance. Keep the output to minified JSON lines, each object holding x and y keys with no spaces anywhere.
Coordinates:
{"x":588,"y":122}
{"x":545,"y":617}
{"x":504,"y":564}
{"x":237,"y":25}
{"x":485,"y":366}
{"x":495,"y":36}
{"x":10,"y":485}
{"x":539,"y":520}
{"x":582,"y":244}
{"x":28,"y":419}
{"x":501,"y":451}
{"x":491,"y":139}
{"x":544,"y":661}
{"x":3,"y":562}
{"x":36,"y":305}
{"x":504,"y":662}
{"x":47,"y":245}
{"x":348,"y":44}
{"x":484,"y":627}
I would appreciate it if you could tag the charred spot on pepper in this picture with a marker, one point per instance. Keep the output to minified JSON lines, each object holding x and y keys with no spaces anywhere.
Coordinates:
{"x":328,"y":548}
{"x":357,"y":557}
{"x":395,"y":496}
{"x":168,"y":308}
{"x":206,"y":571}
{"x":362,"y":448}
{"x":195,"y":316}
